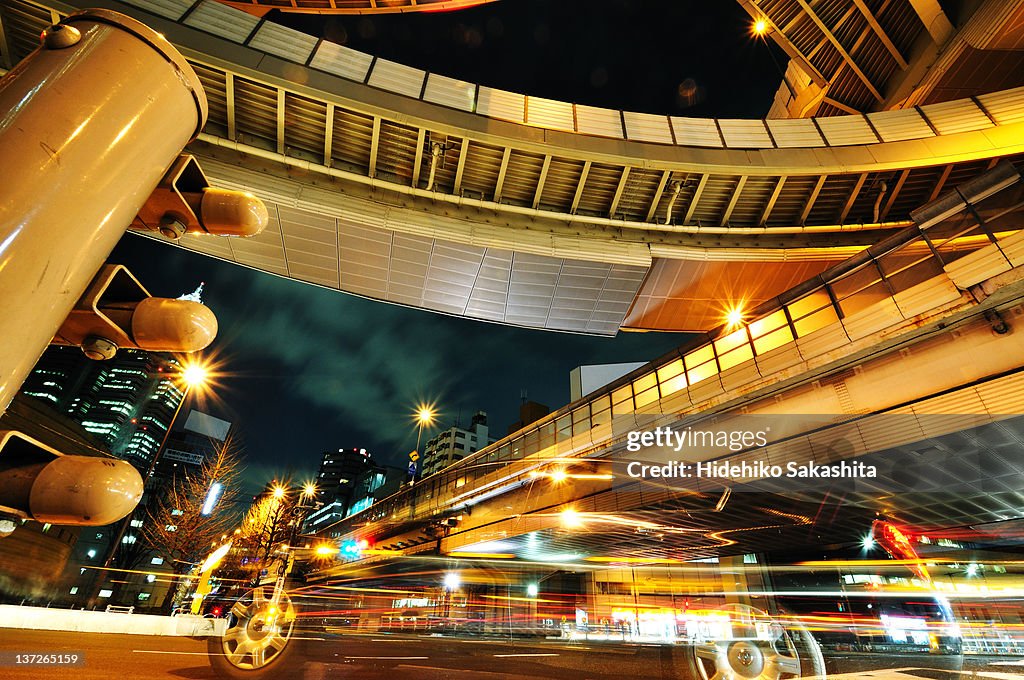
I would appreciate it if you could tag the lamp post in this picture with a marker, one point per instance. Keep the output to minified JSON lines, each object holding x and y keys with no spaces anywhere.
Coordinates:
{"x":192,"y":375}
{"x":424,"y":416}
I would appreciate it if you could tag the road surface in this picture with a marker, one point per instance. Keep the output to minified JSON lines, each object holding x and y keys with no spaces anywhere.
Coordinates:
{"x":425,"y":657}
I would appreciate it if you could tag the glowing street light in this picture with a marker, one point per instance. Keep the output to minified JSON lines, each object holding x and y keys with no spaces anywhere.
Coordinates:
{"x":452,"y":580}
{"x":309,"y":489}
{"x":326,"y":550}
{"x":532,"y":590}
{"x":194,"y":375}
{"x":425,"y":415}
{"x":760,"y":27}
{"x":278,"y":492}
{"x":734,"y":316}
{"x":571,"y":519}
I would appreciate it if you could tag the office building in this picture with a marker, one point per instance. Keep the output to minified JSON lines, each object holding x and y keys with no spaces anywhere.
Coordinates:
{"x":454,"y":444}
{"x":127,"y":402}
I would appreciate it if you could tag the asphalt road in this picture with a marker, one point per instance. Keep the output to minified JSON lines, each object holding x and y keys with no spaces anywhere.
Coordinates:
{"x":398,"y":657}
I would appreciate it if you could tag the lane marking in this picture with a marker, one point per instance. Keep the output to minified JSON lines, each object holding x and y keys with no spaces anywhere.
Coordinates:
{"x":503,"y":656}
{"x":387,"y":658}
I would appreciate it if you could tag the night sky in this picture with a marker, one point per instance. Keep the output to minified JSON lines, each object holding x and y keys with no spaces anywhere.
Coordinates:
{"x":307,"y":369}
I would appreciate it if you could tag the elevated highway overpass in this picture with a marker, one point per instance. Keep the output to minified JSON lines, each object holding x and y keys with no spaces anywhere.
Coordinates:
{"x":907,"y":352}
{"x":419,"y":189}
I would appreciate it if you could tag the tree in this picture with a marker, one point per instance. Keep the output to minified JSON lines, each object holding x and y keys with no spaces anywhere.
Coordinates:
{"x":270,"y":521}
{"x":177,"y":528}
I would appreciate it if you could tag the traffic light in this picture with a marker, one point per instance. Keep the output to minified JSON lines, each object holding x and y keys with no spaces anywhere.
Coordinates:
{"x":353,"y":550}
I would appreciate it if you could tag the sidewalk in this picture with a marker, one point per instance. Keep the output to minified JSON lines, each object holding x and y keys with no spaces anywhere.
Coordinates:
{"x":83,"y":621}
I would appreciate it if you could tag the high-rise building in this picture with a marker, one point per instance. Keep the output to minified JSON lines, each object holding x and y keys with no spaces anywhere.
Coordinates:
{"x":336,"y":484}
{"x":127,"y":402}
{"x":338,"y":470}
{"x":377,"y":482}
{"x":454,"y":444}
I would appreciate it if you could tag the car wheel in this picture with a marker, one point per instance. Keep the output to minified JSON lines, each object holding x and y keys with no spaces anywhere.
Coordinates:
{"x":259,"y":639}
{"x":757,"y":647}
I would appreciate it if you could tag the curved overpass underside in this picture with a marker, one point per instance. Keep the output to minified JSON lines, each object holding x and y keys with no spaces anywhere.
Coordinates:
{"x":414,"y":188}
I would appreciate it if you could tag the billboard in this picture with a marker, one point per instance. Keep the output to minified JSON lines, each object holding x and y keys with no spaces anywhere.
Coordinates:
{"x":207,"y":425}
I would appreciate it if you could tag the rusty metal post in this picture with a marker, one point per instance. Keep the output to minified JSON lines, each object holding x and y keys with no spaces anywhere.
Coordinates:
{"x":89,"y":124}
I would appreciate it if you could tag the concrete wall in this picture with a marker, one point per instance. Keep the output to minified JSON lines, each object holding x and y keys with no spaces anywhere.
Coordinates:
{"x":82,"y":621}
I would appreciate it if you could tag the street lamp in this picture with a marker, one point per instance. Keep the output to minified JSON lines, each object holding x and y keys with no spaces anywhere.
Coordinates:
{"x":424,"y":417}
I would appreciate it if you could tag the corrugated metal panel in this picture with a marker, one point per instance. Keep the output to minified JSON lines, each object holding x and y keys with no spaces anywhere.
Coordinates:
{"x":341,"y":61}
{"x":263,"y":251}
{"x":592,"y":120}
{"x":531,"y":287}
{"x":872,"y":319}
{"x":395,"y":77}
{"x":283,"y":42}
{"x":1006,"y":106}
{"x":457,"y":94}
{"x":208,"y":244}
{"x":896,"y":126}
{"x":223,"y":21}
{"x":1001,"y":395}
{"x":696,"y":132}
{"x":795,"y":132}
{"x":846,"y":130}
{"x":311,"y":243}
{"x":976,"y":267}
{"x":410,"y":258}
{"x":172,"y":9}
{"x":647,"y":127}
{"x":745,"y":134}
{"x":450,"y":276}
{"x":501,"y":104}
{"x":549,"y":113}
{"x":957,"y":116}
{"x":822,"y":341}
{"x":490,"y":290}
{"x":364,"y":254}
{"x":926,"y":296}
{"x":1013,"y":248}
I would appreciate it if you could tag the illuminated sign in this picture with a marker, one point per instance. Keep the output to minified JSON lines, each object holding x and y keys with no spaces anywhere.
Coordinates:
{"x":211,"y":497}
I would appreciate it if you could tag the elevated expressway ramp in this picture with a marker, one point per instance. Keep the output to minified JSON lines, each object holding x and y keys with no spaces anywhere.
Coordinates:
{"x":418,"y":189}
{"x":910,"y":351}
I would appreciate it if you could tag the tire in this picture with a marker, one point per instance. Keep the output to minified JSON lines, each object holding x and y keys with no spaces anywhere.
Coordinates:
{"x":259,"y":640}
{"x":761,"y":648}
